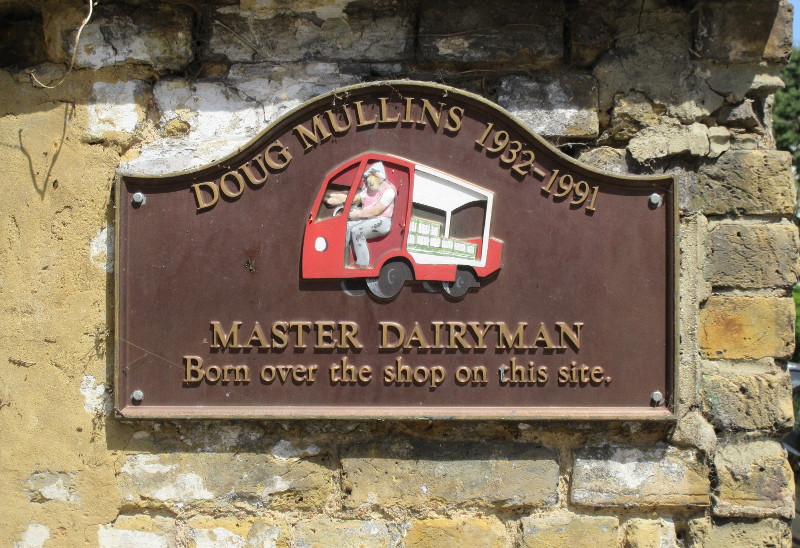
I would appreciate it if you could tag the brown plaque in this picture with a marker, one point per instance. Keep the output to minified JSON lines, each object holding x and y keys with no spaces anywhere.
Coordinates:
{"x":396,"y":249}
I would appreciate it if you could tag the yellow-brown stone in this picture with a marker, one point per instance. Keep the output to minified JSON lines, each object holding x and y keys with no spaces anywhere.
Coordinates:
{"x":747,"y":327}
{"x":435,"y":533}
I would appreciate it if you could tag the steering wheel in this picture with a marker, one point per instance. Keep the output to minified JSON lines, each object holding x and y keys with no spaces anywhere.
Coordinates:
{"x":338,"y":210}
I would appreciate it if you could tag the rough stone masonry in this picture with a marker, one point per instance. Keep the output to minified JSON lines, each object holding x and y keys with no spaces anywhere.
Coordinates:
{"x":631,"y":86}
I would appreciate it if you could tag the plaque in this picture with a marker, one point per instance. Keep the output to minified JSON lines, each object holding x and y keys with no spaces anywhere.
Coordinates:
{"x":396,"y":250}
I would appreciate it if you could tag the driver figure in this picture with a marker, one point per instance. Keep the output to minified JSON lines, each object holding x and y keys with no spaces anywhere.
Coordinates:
{"x":374,"y":218}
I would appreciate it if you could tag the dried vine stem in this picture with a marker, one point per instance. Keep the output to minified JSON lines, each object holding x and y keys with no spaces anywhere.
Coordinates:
{"x":74,"y":50}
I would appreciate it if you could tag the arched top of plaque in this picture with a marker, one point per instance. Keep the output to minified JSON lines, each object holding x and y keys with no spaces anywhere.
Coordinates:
{"x":400,"y":105}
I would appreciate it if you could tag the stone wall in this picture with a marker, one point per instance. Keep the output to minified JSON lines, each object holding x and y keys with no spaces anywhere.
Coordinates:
{"x":631,"y":86}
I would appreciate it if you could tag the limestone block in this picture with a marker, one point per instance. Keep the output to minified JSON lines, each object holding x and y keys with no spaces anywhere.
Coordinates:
{"x":735,"y":81}
{"x":138,"y":531}
{"x":749,"y":402}
{"x":666,"y":140}
{"x":605,"y":159}
{"x":747,"y":182}
{"x":746,"y":327}
{"x":159,"y":35}
{"x":693,"y":430}
{"x":754,"y":480}
{"x":110,"y":537}
{"x":650,"y":533}
{"x":220,"y":120}
{"x":423,"y":472}
{"x":559,"y":530}
{"x":435,"y":533}
{"x":752,"y":255}
{"x":44,"y":486}
{"x":179,"y":479}
{"x":660,"y":67}
{"x":34,"y":536}
{"x":474,"y":31}
{"x":114,"y":112}
{"x":378,"y":31}
{"x":553,"y":106}
{"x":719,"y":141}
{"x":741,"y":115}
{"x":766,"y":533}
{"x":631,"y":112}
{"x":661,"y":476}
{"x":333,"y":532}
{"x":744,"y":31}
{"x":282,"y":88}
{"x":592,"y":31}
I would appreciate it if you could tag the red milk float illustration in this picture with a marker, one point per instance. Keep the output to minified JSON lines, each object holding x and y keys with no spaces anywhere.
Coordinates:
{"x":380,"y":221}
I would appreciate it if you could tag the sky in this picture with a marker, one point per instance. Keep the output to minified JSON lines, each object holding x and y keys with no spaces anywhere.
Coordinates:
{"x":796,"y":24}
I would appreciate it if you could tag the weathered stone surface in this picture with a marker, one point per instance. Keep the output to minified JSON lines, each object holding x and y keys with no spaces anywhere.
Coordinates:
{"x":747,"y":327}
{"x":650,"y":533}
{"x":741,"y":115}
{"x":207,"y":532}
{"x":669,"y":139}
{"x":138,"y":531}
{"x":592,"y":31}
{"x":361,"y":31}
{"x":553,"y":106}
{"x":559,"y":530}
{"x":752,"y":255}
{"x":421,"y":472}
{"x":180,"y":479}
{"x":735,"y":81}
{"x":478,"y":32}
{"x":744,"y":31}
{"x":434,"y":533}
{"x":333,"y":532}
{"x":754,"y":480}
{"x":631,"y":112}
{"x":34,"y":536}
{"x":114,"y":111}
{"x":693,"y":430}
{"x":45,"y":486}
{"x":765,"y":533}
{"x":159,"y":35}
{"x":657,"y":65}
{"x":219,"y":120}
{"x":283,"y":87}
{"x":662,"y":476}
{"x":719,"y":141}
{"x":747,"y":182}
{"x":605,"y":159}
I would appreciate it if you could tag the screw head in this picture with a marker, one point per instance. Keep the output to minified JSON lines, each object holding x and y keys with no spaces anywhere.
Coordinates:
{"x":139,"y":199}
{"x":657,"y":397}
{"x":137,"y":396}
{"x":655,"y":199}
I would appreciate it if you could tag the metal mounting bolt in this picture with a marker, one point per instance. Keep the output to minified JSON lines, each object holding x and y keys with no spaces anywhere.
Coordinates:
{"x":655,"y":199}
{"x":139,"y":199}
{"x":657,"y":397}
{"x":137,"y":396}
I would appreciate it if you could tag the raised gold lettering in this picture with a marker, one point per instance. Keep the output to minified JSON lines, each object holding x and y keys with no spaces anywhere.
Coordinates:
{"x":399,"y":330}
{"x":221,"y":339}
{"x":384,"y":119}
{"x":248,"y":171}
{"x":574,"y":334}
{"x":325,"y":334}
{"x":506,"y":340}
{"x":407,"y":118}
{"x":349,"y":330}
{"x":202,"y":203}
{"x":317,"y":134}
{"x":457,"y":332}
{"x":283,"y":159}
{"x":194,"y":369}
{"x":454,"y":117}
{"x":416,"y":337}
{"x":434,"y":114}
{"x":239,"y":185}
{"x":543,"y":338}
{"x":257,"y":337}
{"x":480,"y":333}
{"x":280,"y":332}
{"x":332,"y":119}
{"x":361,"y":121}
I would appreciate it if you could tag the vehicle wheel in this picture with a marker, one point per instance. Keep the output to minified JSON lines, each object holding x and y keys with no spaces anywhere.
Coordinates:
{"x":432,"y":287}
{"x":391,"y":280}
{"x":458,"y":288}
{"x":353,"y":287}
